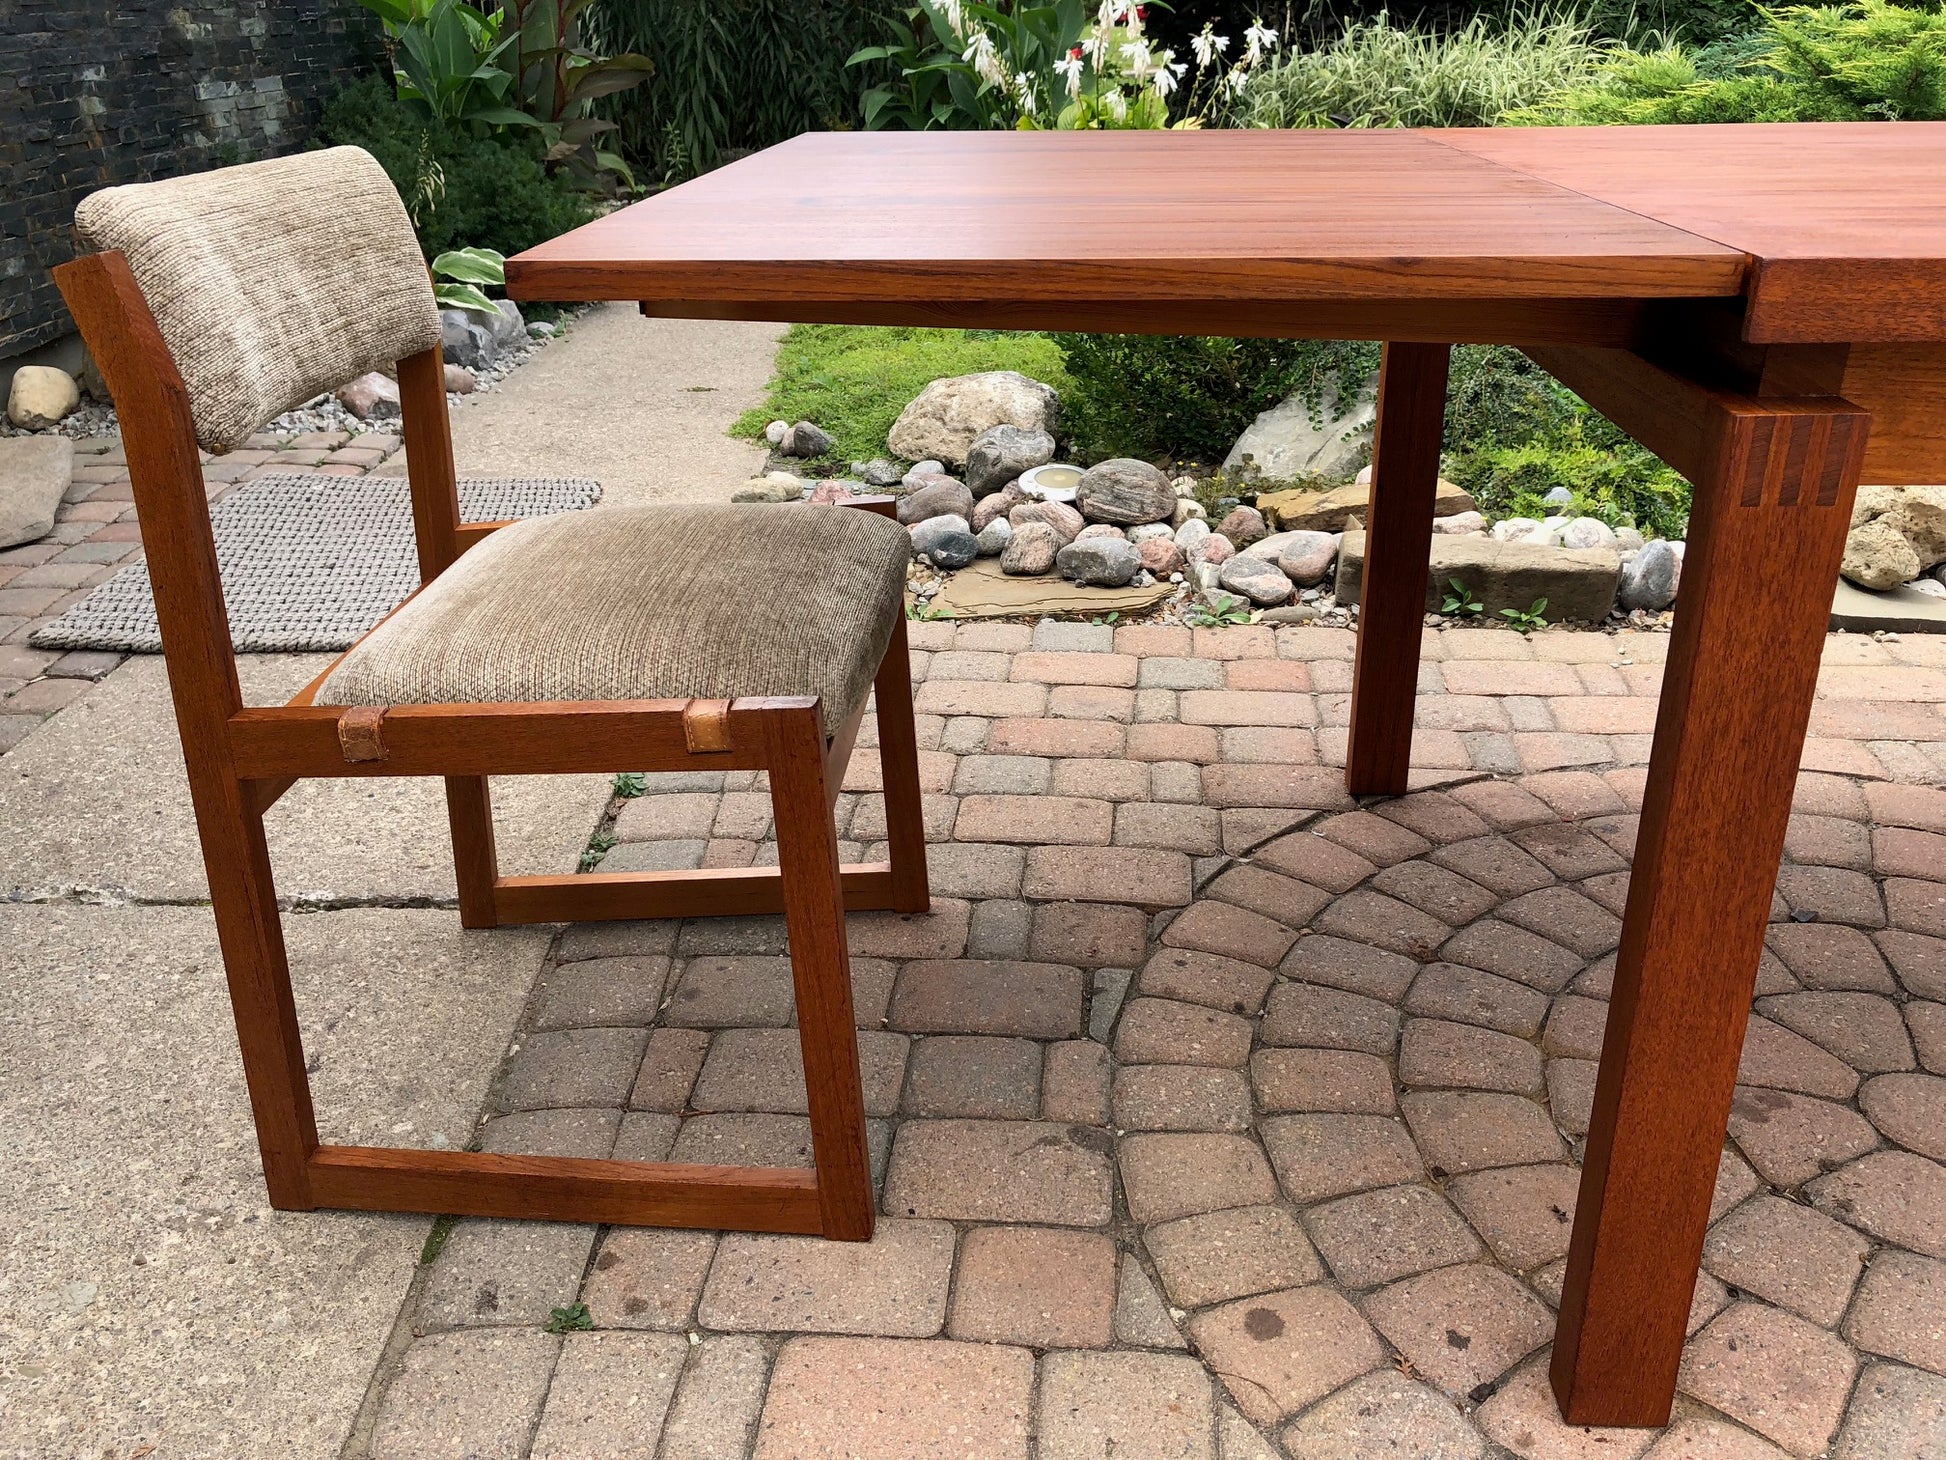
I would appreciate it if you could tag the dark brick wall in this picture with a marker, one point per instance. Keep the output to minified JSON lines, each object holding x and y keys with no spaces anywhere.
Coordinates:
{"x":93,"y":94}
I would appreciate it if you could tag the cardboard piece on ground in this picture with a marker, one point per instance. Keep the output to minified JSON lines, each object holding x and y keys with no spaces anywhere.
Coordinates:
{"x":1900,"y":610}
{"x":983,"y":591}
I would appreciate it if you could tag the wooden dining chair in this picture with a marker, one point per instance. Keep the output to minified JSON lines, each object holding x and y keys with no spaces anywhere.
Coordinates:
{"x":680,"y":637}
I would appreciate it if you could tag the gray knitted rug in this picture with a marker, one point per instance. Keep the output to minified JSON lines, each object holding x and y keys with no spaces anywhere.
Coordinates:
{"x":309,"y":562}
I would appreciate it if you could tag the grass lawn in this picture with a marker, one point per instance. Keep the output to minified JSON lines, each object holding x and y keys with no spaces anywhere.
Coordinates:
{"x":854,"y":380}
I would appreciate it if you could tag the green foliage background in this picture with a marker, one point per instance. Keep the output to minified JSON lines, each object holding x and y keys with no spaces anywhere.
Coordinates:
{"x":497,"y":193}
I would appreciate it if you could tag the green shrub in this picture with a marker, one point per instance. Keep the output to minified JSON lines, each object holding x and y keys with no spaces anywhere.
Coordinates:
{"x":853,"y":381}
{"x":463,"y":191}
{"x":1378,"y":74}
{"x":1872,"y":61}
{"x":1189,"y":396}
{"x":732,"y":75}
{"x":1514,"y":433}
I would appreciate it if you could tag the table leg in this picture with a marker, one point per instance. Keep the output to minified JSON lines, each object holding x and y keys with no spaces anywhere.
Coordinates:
{"x":1773,"y":501}
{"x":1398,"y":542}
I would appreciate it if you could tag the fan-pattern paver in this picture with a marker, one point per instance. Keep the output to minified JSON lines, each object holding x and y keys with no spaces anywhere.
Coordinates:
{"x":1215,"y":1116}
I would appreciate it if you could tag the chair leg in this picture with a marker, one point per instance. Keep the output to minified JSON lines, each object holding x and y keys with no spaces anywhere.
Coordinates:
{"x":243,"y":897}
{"x":469,"y":811}
{"x":814,"y":915}
{"x":898,"y":756}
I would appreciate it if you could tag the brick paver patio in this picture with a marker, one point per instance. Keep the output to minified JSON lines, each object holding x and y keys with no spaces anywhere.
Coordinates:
{"x":1213,"y":1115}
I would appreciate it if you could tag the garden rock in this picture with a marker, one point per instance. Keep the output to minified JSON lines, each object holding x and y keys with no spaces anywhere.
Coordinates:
{"x":1878,"y":555}
{"x":375,"y":397}
{"x":921,"y":469}
{"x":828,"y":493}
{"x":1101,"y":562}
{"x":996,"y":505}
{"x":775,"y":432}
{"x":1264,"y":584}
{"x":1100,"y":529}
{"x":505,"y":324}
{"x":1587,"y":532}
{"x":1649,"y":578}
{"x":1032,"y":549}
{"x":1063,"y":519}
{"x":1126,"y":491}
{"x":940,"y":497}
{"x":1143,"y":531}
{"x":1578,"y":583}
{"x":1558,"y":497}
{"x":1462,"y":523}
{"x":1192,"y":531}
{"x":1284,"y":443}
{"x":805,"y":440}
{"x":945,"y":542}
{"x":1001,"y":453}
{"x":1306,"y":557}
{"x":945,"y":418}
{"x":466,"y":340}
{"x":1513,"y":529}
{"x":1188,"y":509}
{"x":1160,"y":556}
{"x":460,"y":380}
{"x":1916,"y":515}
{"x":1216,"y":548}
{"x":878,"y":472}
{"x":1330,"y":511}
{"x":778,"y":486}
{"x":41,"y":396}
{"x":1243,"y":526}
{"x":35,"y":472}
{"x":1628,"y":539}
{"x":994,"y":537}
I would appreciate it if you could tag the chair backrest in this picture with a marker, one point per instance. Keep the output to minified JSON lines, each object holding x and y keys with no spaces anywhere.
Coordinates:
{"x":272,"y":282}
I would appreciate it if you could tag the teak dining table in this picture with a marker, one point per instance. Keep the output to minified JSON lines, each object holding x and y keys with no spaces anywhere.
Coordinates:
{"x":1762,"y":306}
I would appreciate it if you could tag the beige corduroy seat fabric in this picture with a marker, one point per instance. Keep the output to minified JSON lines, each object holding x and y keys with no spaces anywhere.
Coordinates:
{"x":272,"y":282}
{"x":646,"y":603}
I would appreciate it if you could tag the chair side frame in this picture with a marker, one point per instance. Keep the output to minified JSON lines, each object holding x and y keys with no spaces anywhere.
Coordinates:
{"x":240,"y":760}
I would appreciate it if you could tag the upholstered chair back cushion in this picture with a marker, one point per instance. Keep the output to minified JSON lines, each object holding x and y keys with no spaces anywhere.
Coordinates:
{"x":273,"y":282}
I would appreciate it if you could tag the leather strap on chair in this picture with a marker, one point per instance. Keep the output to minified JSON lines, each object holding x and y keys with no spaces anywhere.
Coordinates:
{"x":706,"y":725}
{"x":361,"y":734}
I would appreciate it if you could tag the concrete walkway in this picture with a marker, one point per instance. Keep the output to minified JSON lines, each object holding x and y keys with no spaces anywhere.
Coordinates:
{"x":638,"y":404}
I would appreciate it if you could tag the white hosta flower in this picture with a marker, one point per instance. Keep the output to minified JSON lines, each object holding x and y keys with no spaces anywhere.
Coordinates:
{"x":1140,"y":62}
{"x":1095,"y":48}
{"x":1258,"y":40}
{"x":1024,"y":94}
{"x":1168,"y":73}
{"x":1069,"y":68}
{"x":949,"y":11}
{"x":985,"y":59}
{"x":1118,"y":106}
{"x":1208,"y":45}
{"x":1236,"y":81}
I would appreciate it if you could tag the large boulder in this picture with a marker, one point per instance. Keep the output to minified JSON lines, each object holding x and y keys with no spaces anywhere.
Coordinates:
{"x":40,"y":396}
{"x":945,"y":418}
{"x":1578,"y":583}
{"x":999,"y":454}
{"x":34,"y":475}
{"x":1125,"y":491}
{"x":1328,"y":511}
{"x":1285,"y":442}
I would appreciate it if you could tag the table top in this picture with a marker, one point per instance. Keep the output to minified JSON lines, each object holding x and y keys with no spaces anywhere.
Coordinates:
{"x":1162,"y":230}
